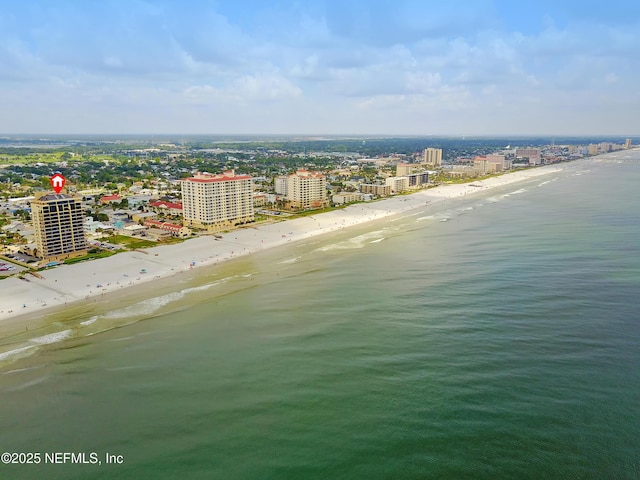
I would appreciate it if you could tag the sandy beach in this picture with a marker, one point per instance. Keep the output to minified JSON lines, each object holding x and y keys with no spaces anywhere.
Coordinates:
{"x":70,"y":284}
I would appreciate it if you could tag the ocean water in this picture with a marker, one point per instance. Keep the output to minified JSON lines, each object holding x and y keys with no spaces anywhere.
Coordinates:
{"x":498,"y":337}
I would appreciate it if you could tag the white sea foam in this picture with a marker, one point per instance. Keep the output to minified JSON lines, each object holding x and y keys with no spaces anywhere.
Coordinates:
{"x":203,"y":288}
{"x":91,"y":321}
{"x":151,"y":305}
{"x":51,"y":338}
{"x":377,"y":241}
{"x":146,"y":307}
{"x":355,"y":242}
{"x":290,"y":260}
{"x":28,"y":384}
{"x":428,"y":217}
{"x":16,"y":352}
{"x":122,"y":339}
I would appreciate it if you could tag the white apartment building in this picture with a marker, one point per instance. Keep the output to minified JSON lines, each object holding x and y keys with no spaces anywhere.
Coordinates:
{"x":306,"y":189}
{"x":218,"y":201}
{"x":280,"y":185}
{"x":397,"y":184}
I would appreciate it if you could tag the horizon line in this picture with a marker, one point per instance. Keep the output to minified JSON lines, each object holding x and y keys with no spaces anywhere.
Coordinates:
{"x":356,"y":135}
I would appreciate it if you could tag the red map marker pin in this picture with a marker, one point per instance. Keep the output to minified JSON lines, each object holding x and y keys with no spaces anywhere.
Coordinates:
{"x":57,"y":182}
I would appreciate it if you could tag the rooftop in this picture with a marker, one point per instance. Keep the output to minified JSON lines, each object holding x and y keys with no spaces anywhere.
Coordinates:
{"x":161,"y":204}
{"x":221,"y":177}
{"x":49,"y":197}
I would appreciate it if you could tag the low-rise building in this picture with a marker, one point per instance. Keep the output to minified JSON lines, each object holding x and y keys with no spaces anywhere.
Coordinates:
{"x":259,"y":199}
{"x":346,"y":197}
{"x":143,"y":216}
{"x":135,"y":201}
{"x":375,"y":189}
{"x":174,"y":229}
{"x":110,"y":199}
{"x":168,"y":208}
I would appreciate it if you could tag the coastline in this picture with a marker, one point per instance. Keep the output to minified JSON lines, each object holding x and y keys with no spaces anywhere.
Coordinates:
{"x":70,"y":286}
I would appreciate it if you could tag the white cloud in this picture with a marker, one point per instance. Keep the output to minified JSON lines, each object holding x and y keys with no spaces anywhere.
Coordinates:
{"x":264,"y":87}
{"x":352,"y":65}
{"x":248,"y":87}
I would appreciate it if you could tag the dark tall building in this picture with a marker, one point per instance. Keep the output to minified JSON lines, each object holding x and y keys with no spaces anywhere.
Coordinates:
{"x":58,"y":226}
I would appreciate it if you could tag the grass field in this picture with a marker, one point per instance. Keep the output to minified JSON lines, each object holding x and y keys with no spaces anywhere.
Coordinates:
{"x":50,"y":157}
{"x":88,"y":256}
{"x":9,"y":159}
{"x":130,"y":242}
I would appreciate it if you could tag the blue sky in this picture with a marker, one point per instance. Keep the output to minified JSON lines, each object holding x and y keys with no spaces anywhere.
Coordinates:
{"x":399,"y":67}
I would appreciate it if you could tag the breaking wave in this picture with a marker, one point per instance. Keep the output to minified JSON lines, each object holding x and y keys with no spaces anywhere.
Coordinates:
{"x":355,"y":242}
{"x":52,"y":337}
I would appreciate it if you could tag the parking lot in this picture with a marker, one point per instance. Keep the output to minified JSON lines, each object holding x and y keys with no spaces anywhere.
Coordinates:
{"x":21,"y":257}
{"x":273,"y":213}
{"x":103,"y":245}
{"x":7,"y":268}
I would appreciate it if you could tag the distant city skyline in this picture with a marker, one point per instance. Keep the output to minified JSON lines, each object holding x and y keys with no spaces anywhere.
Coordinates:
{"x":361,"y":67}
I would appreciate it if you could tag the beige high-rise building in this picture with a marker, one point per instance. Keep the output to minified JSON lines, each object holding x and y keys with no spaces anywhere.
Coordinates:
{"x":218,"y":201}
{"x":500,"y":163}
{"x":432,"y":156}
{"x":403,"y":169}
{"x":605,"y":147}
{"x":627,"y":143}
{"x":307,"y":189}
{"x":488,"y":164}
{"x":58,"y":224}
{"x":533,"y":154}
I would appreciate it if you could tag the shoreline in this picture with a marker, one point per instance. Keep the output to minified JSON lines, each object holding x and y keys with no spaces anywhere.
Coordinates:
{"x":69,"y":286}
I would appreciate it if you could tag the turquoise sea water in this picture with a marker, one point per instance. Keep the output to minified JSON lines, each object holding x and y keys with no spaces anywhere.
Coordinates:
{"x":496,"y":338}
